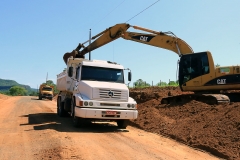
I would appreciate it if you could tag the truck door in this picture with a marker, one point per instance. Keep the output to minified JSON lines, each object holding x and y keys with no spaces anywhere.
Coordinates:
{"x":77,"y":77}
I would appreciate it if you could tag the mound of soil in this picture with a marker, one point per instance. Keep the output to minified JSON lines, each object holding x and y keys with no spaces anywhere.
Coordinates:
{"x":213,"y":128}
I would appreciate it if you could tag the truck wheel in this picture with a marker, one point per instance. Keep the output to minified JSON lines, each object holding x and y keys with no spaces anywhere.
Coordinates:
{"x":122,"y":123}
{"x":40,"y":97}
{"x":77,"y":121}
{"x":60,"y":108}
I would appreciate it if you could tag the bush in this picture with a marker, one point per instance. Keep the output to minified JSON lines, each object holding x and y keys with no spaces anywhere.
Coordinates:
{"x":17,"y":91}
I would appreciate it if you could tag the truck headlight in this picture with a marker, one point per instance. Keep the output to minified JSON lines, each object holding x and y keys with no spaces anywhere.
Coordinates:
{"x":91,"y":103}
{"x":128,"y":105}
{"x":85,"y":103}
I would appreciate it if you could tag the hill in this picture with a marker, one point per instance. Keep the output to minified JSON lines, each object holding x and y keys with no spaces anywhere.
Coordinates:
{"x":6,"y":84}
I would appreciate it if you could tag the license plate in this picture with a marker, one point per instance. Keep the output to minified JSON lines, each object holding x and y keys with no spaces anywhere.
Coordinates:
{"x":111,"y":112}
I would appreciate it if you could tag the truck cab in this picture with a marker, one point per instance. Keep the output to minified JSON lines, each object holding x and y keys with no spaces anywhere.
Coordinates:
{"x":95,"y":90}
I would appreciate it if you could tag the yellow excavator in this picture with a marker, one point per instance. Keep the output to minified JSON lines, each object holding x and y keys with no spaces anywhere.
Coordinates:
{"x":197,"y":72}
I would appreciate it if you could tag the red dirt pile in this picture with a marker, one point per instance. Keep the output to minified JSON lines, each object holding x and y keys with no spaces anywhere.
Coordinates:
{"x":212,"y":128}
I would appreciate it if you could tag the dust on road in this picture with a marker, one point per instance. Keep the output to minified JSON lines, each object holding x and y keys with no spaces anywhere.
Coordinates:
{"x":31,"y":129}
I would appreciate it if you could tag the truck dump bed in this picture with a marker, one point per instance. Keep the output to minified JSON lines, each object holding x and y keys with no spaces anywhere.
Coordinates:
{"x":62,"y":81}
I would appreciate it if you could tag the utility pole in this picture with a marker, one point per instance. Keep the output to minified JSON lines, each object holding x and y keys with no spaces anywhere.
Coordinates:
{"x":89,"y":44}
{"x":47,"y":77}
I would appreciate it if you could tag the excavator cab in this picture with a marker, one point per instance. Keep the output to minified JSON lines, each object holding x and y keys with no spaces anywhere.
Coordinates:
{"x":193,"y":66}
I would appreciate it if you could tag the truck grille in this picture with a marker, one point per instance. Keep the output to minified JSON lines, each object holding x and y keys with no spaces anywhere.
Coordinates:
{"x":111,"y":95}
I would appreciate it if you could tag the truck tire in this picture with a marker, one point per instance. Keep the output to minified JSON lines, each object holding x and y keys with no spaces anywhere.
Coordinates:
{"x":60,"y":108}
{"x":67,"y":104}
{"x":77,"y":121}
{"x":122,"y":123}
{"x":40,"y":97}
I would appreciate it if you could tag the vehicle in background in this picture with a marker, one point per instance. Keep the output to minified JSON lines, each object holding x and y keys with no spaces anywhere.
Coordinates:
{"x":46,"y":91}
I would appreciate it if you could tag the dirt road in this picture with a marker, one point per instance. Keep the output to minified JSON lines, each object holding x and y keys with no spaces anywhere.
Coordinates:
{"x":31,"y":129}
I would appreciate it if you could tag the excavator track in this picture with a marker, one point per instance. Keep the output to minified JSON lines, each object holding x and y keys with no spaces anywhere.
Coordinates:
{"x":205,"y":98}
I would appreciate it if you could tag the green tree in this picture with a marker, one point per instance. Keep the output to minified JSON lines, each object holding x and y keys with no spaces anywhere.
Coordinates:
{"x":217,"y":65}
{"x":173,"y":83}
{"x":18,"y":91}
{"x":162,"y":84}
{"x":141,"y":83}
{"x":49,"y":82}
{"x":33,"y":93}
{"x":5,"y":92}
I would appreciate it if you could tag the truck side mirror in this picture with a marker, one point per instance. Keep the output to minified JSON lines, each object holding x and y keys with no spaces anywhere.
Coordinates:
{"x":70,"y":71}
{"x":129,"y":76}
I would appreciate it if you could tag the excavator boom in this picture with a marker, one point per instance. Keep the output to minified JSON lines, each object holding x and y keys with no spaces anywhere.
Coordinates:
{"x":165,"y":40}
{"x":104,"y":37}
{"x":197,"y":72}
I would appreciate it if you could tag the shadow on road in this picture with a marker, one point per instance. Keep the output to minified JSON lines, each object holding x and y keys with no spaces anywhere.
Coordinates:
{"x":35,"y":99}
{"x":40,"y":99}
{"x":42,"y":121}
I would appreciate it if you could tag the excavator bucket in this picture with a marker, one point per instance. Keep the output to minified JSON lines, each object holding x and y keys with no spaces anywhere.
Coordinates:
{"x":74,"y":54}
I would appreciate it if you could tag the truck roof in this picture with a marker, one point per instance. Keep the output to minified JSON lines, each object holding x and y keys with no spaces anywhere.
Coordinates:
{"x":46,"y":85}
{"x":96,"y":63}
{"x":101,"y":63}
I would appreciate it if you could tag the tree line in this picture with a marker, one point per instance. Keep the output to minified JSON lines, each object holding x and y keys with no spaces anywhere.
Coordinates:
{"x":141,"y":83}
{"x":21,"y":91}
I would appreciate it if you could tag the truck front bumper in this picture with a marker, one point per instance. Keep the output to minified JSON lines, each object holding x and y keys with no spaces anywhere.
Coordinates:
{"x":109,"y":114}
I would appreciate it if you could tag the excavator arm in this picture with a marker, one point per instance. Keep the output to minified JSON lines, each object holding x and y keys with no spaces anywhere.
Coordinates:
{"x":104,"y":37}
{"x":165,"y":40}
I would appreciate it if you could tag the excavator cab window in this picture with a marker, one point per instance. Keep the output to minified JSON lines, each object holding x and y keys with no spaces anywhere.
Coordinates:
{"x":205,"y":64}
{"x":192,"y":66}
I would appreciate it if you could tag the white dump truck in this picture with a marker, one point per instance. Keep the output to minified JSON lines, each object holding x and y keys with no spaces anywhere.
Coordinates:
{"x":92,"y":90}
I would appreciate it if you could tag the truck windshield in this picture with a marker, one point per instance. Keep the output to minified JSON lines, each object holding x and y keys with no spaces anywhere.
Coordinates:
{"x":91,"y":73}
{"x":47,"y":89}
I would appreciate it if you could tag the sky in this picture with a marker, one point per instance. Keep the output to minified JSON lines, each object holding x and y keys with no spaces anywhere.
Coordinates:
{"x":34,"y":35}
